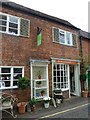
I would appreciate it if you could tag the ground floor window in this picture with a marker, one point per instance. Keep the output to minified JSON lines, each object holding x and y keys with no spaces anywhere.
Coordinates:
{"x":60,"y":76}
{"x":9,"y":76}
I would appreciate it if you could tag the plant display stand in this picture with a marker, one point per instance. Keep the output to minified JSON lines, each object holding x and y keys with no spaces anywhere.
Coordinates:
{"x":8,"y":104}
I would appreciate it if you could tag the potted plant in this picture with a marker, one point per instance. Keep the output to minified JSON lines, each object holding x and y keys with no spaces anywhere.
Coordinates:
{"x":39,"y":73}
{"x":82,"y":80}
{"x":42,"y":92}
{"x":46,"y":101}
{"x":38,"y":83}
{"x":83,"y":85}
{"x":32,"y":103}
{"x":23,"y":83}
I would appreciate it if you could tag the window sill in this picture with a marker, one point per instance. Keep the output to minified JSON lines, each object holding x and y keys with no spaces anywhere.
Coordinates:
{"x":5,"y":88}
{"x":65,"y":44}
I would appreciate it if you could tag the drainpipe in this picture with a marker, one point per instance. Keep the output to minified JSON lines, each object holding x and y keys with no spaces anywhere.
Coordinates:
{"x":81,"y":51}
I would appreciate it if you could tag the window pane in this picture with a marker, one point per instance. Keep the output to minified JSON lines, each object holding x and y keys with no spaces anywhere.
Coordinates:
{"x":17,"y":76}
{"x":62,"y":37}
{"x":3,"y":22}
{"x":54,"y":67}
{"x":17,"y":70}
{"x":5,"y":70}
{"x":54,"y":73}
{"x":13,"y":31}
{"x":2,"y":28}
{"x":14,"y":83}
{"x":13,"y":19}
{"x":13,"y":25}
{"x":68,"y":38}
{"x":54,"y":79}
{"x":7,"y":83}
{"x":58,"y":79}
{"x":5,"y":77}
{"x":3,"y":17}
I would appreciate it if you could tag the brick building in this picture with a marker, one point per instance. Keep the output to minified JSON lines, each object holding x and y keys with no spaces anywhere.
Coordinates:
{"x":33,"y":43}
{"x":84,"y":52}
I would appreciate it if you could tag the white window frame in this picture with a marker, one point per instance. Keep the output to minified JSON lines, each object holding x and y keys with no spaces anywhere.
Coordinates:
{"x":7,"y":26}
{"x":18,"y":23}
{"x":65,"y":33}
{"x":67,"y":81}
{"x":12,"y":74}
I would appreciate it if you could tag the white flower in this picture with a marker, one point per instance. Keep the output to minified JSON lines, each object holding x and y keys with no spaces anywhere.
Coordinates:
{"x":46,"y":98}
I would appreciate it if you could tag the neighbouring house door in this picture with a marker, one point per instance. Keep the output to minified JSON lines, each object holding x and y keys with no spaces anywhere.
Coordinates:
{"x":72,"y":80}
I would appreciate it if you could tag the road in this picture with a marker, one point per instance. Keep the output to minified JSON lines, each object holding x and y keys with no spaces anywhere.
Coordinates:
{"x":75,"y":112}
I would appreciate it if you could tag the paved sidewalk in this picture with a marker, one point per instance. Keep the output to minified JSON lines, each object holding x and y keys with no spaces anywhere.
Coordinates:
{"x":41,"y":111}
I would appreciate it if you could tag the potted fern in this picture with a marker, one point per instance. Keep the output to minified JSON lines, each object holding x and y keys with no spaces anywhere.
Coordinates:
{"x":33,"y":104}
{"x":23,"y":83}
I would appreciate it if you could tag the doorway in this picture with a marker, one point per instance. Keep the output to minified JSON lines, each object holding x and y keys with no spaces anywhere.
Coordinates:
{"x":72,"y":80}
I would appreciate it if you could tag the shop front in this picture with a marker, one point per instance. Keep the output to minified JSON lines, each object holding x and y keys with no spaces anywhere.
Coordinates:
{"x":65,"y":74}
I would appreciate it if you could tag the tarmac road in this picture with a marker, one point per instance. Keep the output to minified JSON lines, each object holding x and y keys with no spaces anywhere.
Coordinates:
{"x":75,"y":112}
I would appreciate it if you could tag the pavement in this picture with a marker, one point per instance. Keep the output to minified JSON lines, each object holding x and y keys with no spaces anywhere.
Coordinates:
{"x":41,"y":111}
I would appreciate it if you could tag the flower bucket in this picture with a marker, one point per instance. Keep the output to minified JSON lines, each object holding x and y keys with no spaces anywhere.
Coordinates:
{"x":46,"y":105}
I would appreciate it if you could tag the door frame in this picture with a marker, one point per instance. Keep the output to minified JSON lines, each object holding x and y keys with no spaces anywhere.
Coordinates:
{"x":77,"y":80}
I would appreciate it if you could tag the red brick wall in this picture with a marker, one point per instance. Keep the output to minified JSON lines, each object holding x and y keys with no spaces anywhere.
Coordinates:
{"x":17,"y":51}
{"x":85,"y":49}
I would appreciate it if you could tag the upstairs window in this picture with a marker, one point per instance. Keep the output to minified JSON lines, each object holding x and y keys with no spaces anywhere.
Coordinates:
{"x":14,"y":25}
{"x":64,"y":37}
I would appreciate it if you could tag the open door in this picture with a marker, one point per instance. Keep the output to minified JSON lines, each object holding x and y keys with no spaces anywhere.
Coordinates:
{"x":72,"y":80}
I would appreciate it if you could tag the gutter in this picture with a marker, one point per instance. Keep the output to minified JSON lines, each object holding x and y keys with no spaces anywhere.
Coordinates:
{"x":37,"y":13}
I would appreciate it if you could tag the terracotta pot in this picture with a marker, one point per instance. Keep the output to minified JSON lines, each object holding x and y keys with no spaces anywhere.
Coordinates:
{"x":33,"y":108}
{"x":21,"y":107}
{"x":39,"y":76}
{"x":85,"y":94}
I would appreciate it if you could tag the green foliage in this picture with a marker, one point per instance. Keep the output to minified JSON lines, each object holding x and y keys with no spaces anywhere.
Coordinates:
{"x":38,"y":82}
{"x":33,"y":101}
{"x":82,"y":76}
{"x":43,"y":91}
{"x":23,"y":83}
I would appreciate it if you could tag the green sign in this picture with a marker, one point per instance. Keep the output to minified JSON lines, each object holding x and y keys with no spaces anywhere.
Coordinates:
{"x":39,"y":39}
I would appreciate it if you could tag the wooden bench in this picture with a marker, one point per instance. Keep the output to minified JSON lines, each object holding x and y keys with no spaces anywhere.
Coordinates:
{"x":7,"y":104}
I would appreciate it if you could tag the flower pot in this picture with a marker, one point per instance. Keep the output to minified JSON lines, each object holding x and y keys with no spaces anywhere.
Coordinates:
{"x":33,"y":108}
{"x":21,"y":107}
{"x":46,"y":105}
{"x":85,"y":94}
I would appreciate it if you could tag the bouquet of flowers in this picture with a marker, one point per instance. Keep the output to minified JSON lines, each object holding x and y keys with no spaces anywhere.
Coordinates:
{"x":46,"y":99}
